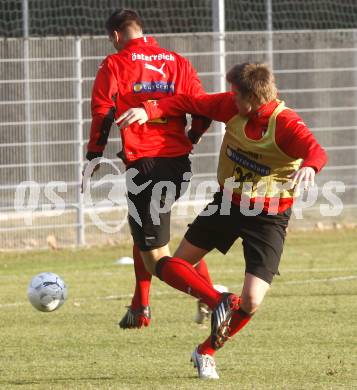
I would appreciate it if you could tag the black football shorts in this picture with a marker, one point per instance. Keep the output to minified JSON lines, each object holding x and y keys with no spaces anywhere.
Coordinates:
{"x":262,"y":236}
{"x":166,"y":178}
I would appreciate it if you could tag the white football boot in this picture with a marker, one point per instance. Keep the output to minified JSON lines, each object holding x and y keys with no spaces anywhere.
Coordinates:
{"x":205,"y":364}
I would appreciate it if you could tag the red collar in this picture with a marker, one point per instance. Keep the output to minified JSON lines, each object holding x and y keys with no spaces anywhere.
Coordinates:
{"x":264,"y":111}
{"x":150,"y":41}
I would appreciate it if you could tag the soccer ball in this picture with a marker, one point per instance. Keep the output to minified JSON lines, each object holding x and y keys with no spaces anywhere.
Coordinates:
{"x":47,"y":291}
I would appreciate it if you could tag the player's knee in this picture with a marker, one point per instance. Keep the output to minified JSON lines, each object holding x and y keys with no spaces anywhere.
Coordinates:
{"x":151,"y":257}
{"x":150,"y":266}
{"x":149,"y":263}
{"x":250,"y":303}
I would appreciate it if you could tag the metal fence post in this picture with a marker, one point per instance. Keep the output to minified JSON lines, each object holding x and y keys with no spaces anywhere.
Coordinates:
{"x":80,"y":204}
{"x":270,"y":37}
{"x":219,"y":46}
{"x":27,"y":91}
{"x":354,"y":197}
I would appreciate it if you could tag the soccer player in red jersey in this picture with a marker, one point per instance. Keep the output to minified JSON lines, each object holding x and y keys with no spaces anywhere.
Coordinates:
{"x":142,"y":70}
{"x":267,"y":152}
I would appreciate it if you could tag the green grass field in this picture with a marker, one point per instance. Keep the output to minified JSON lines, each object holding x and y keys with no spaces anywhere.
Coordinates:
{"x":303,"y":337}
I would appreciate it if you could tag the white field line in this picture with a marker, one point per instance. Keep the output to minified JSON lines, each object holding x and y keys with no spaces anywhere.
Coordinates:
{"x":284,"y":271}
{"x":297,"y":270}
{"x":168,"y":293}
{"x":4,"y":305}
{"x":307,"y":281}
{"x":293,"y":271}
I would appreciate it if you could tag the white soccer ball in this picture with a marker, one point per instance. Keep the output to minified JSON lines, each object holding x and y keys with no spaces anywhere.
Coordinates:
{"x":47,"y":291}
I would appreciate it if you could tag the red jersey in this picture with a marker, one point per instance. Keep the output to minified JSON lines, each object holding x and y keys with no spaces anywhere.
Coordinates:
{"x":141,"y":71}
{"x":292,"y":135}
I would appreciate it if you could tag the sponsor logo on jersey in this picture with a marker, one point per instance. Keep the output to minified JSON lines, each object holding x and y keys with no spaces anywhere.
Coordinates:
{"x":154,"y":86}
{"x":152,"y":57}
{"x":156,"y":69}
{"x":246,"y":162}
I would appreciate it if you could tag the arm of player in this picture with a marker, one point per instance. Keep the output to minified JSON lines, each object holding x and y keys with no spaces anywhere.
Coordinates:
{"x":103,"y":109}
{"x":296,"y":140}
{"x":200,"y":124}
{"x":220,"y":107}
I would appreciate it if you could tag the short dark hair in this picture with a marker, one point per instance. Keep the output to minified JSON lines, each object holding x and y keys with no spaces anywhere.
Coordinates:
{"x":121,"y":18}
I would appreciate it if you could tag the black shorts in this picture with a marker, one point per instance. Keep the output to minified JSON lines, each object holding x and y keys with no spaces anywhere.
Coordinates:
{"x":166,"y":178}
{"x":262,"y":236}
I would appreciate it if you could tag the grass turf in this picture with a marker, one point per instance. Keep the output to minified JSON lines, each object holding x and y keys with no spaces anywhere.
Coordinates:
{"x":303,"y":337}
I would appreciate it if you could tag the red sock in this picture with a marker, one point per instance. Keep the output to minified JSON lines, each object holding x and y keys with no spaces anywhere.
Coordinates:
{"x":239,"y":319}
{"x":181,"y":275}
{"x":201,"y":268}
{"x":143,"y":281}
{"x":205,"y":348}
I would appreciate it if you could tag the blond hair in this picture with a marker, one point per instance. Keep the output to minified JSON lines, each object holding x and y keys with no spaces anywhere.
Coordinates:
{"x":254,"y":79}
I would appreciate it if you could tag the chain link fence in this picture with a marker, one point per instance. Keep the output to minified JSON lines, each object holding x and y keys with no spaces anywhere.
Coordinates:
{"x":45,"y":119}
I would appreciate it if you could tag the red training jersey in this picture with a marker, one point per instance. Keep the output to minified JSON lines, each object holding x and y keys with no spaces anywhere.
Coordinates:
{"x":291,"y":135}
{"x":141,"y":71}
